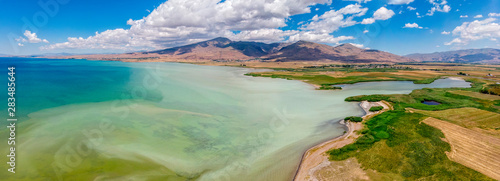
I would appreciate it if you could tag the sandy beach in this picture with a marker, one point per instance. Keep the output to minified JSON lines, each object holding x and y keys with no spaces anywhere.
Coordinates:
{"x":315,"y":158}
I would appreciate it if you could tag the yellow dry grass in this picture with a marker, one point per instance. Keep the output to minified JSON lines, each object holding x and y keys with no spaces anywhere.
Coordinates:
{"x":476,"y":95}
{"x":471,"y":148}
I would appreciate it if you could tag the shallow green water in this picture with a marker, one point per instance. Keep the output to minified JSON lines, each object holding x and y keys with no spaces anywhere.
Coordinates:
{"x":99,"y":120}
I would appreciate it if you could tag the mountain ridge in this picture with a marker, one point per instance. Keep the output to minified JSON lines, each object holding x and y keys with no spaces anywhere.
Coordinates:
{"x":225,"y":49}
{"x":482,"y":55}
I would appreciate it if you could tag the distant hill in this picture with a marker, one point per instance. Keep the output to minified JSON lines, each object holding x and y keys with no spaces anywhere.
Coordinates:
{"x":485,"y":55}
{"x":223,"y":49}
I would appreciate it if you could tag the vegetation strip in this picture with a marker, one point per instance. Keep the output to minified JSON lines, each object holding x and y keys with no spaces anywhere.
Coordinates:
{"x":315,"y":155}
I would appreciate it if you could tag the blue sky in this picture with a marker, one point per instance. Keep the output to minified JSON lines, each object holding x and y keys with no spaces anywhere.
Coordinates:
{"x":105,"y":26}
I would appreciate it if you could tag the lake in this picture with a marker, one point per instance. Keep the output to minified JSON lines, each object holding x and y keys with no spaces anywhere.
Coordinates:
{"x":104,"y":120}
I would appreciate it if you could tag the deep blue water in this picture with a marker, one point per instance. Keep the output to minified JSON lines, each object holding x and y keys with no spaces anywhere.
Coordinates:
{"x":47,"y":83}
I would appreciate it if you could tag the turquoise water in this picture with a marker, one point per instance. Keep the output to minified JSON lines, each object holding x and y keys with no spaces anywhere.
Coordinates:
{"x":101,"y":120}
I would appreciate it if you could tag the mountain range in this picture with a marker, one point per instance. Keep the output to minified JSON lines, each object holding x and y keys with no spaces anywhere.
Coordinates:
{"x":485,"y":55}
{"x":223,"y":49}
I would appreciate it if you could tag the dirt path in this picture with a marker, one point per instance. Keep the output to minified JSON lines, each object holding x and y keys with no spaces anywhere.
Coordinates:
{"x":315,"y":158}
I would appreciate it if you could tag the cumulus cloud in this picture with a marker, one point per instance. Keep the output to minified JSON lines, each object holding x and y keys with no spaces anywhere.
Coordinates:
{"x":332,"y":20}
{"x":411,"y":8}
{"x":478,"y":16}
{"x":438,"y":5}
{"x":445,"y":32}
{"x":368,"y":21}
{"x":476,"y":30}
{"x":494,"y":14}
{"x":366,"y":31}
{"x":381,"y":14}
{"x":464,"y":16}
{"x":177,"y":22}
{"x":456,"y":40}
{"x":30,"y":38}
{"x":320,"y":27}
{"x":412,"y":25}
{"x":400,"y":1}
{"x":110,"y":39}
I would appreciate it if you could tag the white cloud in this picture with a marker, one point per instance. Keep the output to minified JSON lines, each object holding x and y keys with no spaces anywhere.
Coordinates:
{"x":400,"y":1}
{"x":30,"y":38}
{"x":456,"y":40}
{"x":464,"y":16}
{"x":438,"y":5}
{"x":366,"y":31}
{"x":359,"y":1}
{"x":476,"y":30}
{"x":494,"y":14}
{"x":177,"y":22}
{"x":368,"y":21}
{"x":332,"y":20}
{"x":320,"y":27}
{"x":445,"y":32}
{"x":117,"y":39}
{"x":478,"y":16}
{"x":412,"y":25}
{"x":411,"y":8}
{"x":381,"y":14}
{"x":20,"y":44}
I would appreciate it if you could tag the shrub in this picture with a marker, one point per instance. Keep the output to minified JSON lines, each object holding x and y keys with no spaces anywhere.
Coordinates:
{"x":376,"y":108}
{"x":353,"y":119}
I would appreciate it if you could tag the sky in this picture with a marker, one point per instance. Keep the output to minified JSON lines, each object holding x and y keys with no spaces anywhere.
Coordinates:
{"x":31,"y":27}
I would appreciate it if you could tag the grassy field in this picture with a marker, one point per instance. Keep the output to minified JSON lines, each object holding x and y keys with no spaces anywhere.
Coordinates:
{"x":396,"y":143}
{"x":334,"y":78}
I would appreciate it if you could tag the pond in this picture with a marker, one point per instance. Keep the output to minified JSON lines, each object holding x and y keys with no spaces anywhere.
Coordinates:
{"x":431,"y":103}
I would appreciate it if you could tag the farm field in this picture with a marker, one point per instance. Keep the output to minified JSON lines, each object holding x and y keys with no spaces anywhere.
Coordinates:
{"x":471,"y":148}
{"x":466,"y":117}
{"x":476,"y":95}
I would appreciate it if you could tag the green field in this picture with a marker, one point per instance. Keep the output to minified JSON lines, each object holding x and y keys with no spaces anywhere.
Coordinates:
{"x":396,"y":142}
{"x":325,"y":79}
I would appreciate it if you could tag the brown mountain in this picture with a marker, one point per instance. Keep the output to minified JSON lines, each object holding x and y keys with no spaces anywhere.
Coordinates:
{"x":227,"y":50}
{"x":309,"y":51}
{"x":485,"y":55}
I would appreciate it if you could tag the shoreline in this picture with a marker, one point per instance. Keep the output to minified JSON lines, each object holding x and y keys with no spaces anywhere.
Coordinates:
{"x":314,"y":156}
